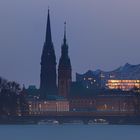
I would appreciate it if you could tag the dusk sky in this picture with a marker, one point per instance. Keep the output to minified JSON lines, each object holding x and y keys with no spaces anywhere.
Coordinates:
{"x":102,"y":34}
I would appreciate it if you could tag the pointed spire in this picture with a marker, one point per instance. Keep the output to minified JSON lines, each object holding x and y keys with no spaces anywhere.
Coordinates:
{"x":65,"y":33}
{"x":48,"y":30}
{"x":64,"y":47}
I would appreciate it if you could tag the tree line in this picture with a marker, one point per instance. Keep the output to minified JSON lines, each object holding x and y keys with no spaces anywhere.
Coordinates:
{"x":12,"y":98}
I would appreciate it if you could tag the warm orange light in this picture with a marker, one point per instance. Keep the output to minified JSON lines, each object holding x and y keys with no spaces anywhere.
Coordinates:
{"x":124,"y":85}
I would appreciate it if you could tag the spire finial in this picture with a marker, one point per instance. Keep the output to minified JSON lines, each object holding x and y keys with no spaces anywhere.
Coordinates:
{"x":48,"y":9}
{"x":65,"y":32}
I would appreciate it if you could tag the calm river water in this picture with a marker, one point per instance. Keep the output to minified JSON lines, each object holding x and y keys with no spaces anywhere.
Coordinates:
{"x":69,"y":132}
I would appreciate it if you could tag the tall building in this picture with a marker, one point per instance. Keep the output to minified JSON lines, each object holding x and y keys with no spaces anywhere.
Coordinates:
{"x":64,"y":69}
{"x":48,"y":65}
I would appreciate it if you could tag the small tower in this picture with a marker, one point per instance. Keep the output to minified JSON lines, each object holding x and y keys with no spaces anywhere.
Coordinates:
{"x":64,"y":69}
{"x":48,"y":65}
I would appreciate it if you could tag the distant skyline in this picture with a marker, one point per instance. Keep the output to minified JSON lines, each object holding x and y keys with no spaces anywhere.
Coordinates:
{"x":101,"y":35}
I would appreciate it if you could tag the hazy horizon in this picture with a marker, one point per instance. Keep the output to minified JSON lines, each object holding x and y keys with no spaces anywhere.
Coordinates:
{"x":101,"y":35}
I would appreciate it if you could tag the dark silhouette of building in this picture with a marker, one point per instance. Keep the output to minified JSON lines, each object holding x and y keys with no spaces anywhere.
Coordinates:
{"x":48,"y":65}
{"x":89,"y":80}
{"x":64,"y":69}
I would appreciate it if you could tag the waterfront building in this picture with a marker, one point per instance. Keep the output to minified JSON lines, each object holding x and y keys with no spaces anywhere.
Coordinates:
{"x":124,"y":78}
{"x":64,"y":69}
{"x":100,"y":104}
{"x":44,"y":106}
{"x":48,"y":65}
{"x":82,"y":104}
{"x":125,"y":85}
{"x":103,"y":103}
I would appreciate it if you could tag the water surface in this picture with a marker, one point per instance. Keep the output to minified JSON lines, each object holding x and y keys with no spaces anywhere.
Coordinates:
{"x":69,"y":132}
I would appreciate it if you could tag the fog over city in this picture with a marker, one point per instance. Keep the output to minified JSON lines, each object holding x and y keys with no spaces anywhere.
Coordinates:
{"x":101,"y":34}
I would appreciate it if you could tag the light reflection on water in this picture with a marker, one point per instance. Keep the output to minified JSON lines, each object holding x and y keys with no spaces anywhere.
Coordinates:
{"x":69,"y":132}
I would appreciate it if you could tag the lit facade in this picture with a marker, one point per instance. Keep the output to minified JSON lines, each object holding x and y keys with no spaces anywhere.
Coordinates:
{"x":124,"y":85}
{"x":42,"y":107}
{"x":104,"y":103}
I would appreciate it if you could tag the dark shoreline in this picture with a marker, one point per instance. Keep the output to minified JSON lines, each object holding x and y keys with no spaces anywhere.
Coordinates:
{"x":23,"y":120}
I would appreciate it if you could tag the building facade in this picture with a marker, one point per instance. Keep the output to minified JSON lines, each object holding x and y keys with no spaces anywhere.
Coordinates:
{"x":125,"y":85}
{"x":116,"y":103}
{"x":42,"y":106}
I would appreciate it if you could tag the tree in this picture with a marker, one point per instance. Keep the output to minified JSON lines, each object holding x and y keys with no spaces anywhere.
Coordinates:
{"x":12,"y":100}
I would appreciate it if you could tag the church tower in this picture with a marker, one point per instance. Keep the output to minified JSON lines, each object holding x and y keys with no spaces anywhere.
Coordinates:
{"x":64,"y":69}
{"x":48,"y":65}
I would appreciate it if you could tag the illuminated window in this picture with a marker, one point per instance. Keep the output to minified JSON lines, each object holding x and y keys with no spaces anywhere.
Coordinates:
{"x":125,"y":85}
{"x":90,"y":79}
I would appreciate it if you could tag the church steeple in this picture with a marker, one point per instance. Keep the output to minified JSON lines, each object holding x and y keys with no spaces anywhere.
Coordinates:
{"x":64,"y":69}
{"x":48,"y":29}
{"x":64,"y":50}
{"x":65,"y":40}
{"x":48,"y":65}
